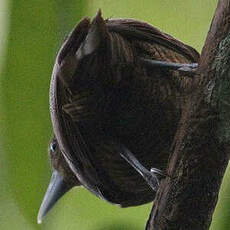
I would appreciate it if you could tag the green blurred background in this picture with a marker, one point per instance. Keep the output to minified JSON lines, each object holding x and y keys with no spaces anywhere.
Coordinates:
{"x":30,"y":34}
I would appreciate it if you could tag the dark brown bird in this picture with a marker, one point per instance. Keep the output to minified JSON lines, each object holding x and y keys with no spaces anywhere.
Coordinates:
{"x":115,"y":97}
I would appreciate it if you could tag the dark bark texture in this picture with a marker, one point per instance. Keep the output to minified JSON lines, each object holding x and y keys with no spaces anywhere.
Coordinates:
{"x":187,"y":197}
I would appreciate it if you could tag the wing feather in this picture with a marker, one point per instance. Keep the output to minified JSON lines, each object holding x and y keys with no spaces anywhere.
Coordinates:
{"x":94,"y":160}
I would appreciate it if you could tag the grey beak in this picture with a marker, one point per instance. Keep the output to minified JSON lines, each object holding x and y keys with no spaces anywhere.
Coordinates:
{"x":56,"y":189}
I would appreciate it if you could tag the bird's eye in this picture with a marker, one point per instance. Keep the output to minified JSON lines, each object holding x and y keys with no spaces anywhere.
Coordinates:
{"x":53,"y":146}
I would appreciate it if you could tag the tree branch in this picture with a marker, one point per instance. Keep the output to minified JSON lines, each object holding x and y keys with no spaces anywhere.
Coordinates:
{"x":187,"y":198}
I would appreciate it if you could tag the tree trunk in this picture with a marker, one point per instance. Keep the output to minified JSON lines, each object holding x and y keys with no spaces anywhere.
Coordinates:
{"x":187,"y":197}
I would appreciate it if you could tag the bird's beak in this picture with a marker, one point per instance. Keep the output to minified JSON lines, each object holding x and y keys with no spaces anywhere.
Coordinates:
{"x":56,"y":189}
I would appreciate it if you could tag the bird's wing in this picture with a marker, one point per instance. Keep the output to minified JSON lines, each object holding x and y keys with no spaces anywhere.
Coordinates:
{"x":68,"y":133}
{"x":132,"y":29}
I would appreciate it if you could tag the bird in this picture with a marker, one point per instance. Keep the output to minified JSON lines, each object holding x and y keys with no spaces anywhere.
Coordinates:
{"x":116,"y":92}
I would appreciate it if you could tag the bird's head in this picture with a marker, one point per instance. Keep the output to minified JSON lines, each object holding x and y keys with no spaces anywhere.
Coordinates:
{"x":62,"y":179}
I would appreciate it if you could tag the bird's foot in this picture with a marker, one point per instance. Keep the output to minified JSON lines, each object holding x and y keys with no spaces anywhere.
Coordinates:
{"x":152,"y":177}
{"x":188,"y":69}
{"x":158,"y":172}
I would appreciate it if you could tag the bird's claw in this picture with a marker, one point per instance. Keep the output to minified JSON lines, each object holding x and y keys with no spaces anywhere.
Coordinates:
{"x":153,"y":178}
{"x":158,"y":172}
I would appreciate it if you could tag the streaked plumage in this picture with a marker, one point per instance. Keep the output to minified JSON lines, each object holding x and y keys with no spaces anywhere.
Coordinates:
{"x":101,"y":95}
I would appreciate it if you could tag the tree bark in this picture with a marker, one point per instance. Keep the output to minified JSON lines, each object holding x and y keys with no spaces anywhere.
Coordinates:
{"x":187,"y":197}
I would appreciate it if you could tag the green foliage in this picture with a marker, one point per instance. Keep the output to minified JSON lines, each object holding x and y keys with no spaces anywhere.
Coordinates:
{"x":36,"y":30}
{"x":25,"y":81}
